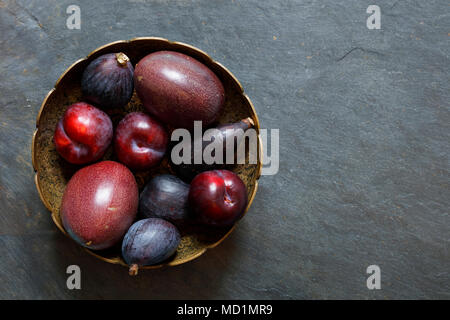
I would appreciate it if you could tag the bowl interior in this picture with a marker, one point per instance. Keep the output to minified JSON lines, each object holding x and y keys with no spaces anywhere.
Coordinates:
{"x":53,"y":172}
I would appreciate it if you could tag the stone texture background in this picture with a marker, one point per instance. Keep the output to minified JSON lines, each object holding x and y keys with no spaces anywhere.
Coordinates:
{"x":364,"y":121}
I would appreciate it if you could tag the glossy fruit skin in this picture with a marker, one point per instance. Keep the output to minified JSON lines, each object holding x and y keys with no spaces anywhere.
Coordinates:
{"x":140,"y":141}
{"x":165,"y":196}
{"x":108,"y":81}
{"x":178,"y":89}
{"x":150,"y":241}
{"x":187,"y":171}
{"x":218,"y":197}
{"x":83,"y":134}
{"x":99,"y":204}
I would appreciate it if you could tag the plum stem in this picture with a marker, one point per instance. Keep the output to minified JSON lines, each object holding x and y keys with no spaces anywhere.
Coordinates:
{"x":227,"y":199}
{"x":122,"y":59}
{"x":133,"y":270}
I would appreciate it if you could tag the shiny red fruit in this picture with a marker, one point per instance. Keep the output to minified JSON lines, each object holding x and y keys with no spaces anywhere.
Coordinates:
{"x":83,"y":134}
{"x":218,"y":197}
{"x":99,"y":204}
{"x":140,"y":141}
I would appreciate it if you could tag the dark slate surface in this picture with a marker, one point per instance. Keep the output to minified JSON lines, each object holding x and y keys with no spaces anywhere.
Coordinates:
{"x":364,"y":147}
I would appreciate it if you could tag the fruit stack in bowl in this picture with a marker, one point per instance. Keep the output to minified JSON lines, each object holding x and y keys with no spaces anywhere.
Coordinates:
{"x":101,"y":205}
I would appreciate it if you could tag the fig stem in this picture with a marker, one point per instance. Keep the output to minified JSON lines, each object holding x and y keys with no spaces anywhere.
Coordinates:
{"x":133,"y":270}
{"x":249,"y":121}
{"x":122,"y":59}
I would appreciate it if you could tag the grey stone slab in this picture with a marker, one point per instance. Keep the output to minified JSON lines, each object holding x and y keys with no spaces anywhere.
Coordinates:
{"x":364,"y":121}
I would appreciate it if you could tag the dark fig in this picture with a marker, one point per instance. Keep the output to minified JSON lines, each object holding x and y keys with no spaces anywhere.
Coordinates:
{"x":178,"y":89}
{"x":166,"y":197}
{"x":108,"y":81}
{"x":187,"y":171}
{"x":149,"y":241}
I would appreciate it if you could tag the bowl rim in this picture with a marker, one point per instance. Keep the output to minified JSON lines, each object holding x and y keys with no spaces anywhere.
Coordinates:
{"x":171,"y":43}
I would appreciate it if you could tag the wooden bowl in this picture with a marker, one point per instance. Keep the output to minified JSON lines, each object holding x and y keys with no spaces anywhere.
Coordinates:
{"x":53,"y":172}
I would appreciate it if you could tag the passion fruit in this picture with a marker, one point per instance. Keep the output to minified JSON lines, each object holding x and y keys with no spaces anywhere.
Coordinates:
{"x":99,"y":204}
{"x":178,"y":89}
